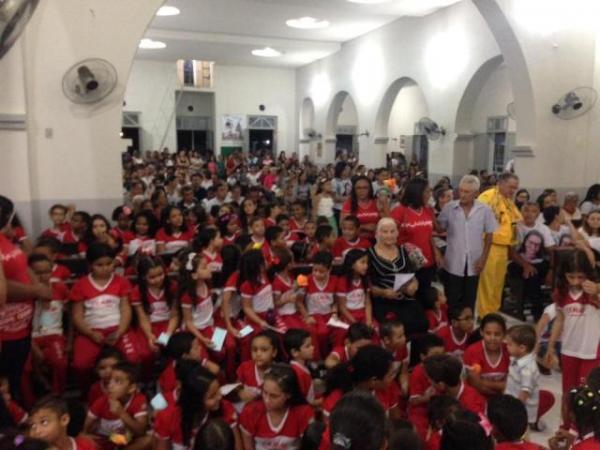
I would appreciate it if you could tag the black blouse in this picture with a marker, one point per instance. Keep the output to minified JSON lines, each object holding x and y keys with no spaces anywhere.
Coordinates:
{"x":382,"y":272}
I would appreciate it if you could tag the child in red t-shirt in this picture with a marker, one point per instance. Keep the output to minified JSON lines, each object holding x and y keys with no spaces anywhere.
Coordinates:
{"x":101,"y":313}
{"x":300,"y":349}
{"x":109,"y":357}
{"x":280,"y":418}
{"x":174,"y":234}
{"x":352,"y":291}
{"x":264,"y":351}
{"x":445,"y":373}
{"x":285,"y":289}
{"x":439,"y":409}
{"x":121,"y":411}
{"x":50,"y":247}
{"x":349,"y":239}
{"x":436,"y":309}
{"x":487,"y":361}
{"x":60,"y":216}
{"x":359,"y":335}
{"x":190,"y":407}
{"x":319,"y":301}
{"x":49,"y":421}
{"x":209,"y":243}
{"x":456,"y":335}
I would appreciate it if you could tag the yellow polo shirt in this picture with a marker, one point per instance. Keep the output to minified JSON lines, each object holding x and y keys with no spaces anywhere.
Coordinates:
{"x":507,"y":216}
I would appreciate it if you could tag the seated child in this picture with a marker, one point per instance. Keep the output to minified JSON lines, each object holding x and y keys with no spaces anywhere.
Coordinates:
{"x":445,"y":373}
{"x":353,"y":293}
{"x":359,"y":335}
{"x":440,"y":408}
{"x":436,"y":309}
{"x":420,"y":389}
{"x":50,"y":247}
{"x":109,"y":357}
{"x":49,"y":421}
{"x":509,"y":423}
{"x":121,"y":411}
{"x":487,"y":361}
{"x":264,"y":351}
{"x":393,"y":340}
{"x":325,"y":238}
{"x":456,"y":334}
{"x":523,"y":375}
{"x":300,"y":349}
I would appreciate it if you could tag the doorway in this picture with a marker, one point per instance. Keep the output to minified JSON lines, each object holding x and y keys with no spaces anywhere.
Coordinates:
{"x":344,"y":143}
{"x":133,"y":134}
{"x":261,"y":140}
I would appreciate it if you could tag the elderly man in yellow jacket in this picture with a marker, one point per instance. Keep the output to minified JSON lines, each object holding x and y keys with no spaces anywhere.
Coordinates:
{"x":491,"y":280}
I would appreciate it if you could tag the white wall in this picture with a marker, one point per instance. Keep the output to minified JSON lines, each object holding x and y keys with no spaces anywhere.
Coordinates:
{"x":409,"y":107}
{"x":348,"y":115}
{"x":202,"y":102}
{"x":237,"y":90}
{"x":495,"y":95}
{"x":240,"y":90}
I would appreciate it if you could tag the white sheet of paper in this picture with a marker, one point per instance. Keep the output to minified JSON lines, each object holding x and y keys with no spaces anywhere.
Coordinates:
{"x":163,"y":339}
{"x":158,"y":402}
{"x":227,"y":389}
{"x":246,"y":331}
{"x":218,"y":339}
{"x":401,"y":279}
{"x":337,"y":324}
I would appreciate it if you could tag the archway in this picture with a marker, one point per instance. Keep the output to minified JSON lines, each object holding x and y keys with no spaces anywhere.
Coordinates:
{"x":308,"y":135}
{"x":341,"y":130}
{"x":402,"y":105}
{"x":511,"y":50}
{"x":486,"y":134}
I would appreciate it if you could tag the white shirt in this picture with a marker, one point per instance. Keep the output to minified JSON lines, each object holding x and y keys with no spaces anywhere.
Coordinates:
{"x":523,"y":375}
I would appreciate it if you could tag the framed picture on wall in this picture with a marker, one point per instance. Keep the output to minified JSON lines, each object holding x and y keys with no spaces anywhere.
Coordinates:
{"x":233,"y":127}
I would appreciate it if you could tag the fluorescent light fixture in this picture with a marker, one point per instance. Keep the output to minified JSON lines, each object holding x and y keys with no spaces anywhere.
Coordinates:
{"x":307,"y":23}
{"x":369,"y":2}
{"x":266,"y":52}
{"x":168,"y":11}
{"x":152,"y":45}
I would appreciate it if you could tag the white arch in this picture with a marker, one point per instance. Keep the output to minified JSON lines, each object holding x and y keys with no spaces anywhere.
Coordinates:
{"x":333,"y":113}
{"x":387,"y":103}
{"x":307,"y":117}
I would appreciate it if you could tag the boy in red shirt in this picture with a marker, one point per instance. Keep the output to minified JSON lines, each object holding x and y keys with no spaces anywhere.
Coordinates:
{"x":456,"y":334}
{"x":359,"y":335}
{"x":420,"y":389}
{"x":49,"y":422}
{"x":120,"y":412}
{"x":349,"y":239}
{"x":445,"y":373}
{"x":60,"y":216}
{"x":50,"y":247}
{"x":299,"y":346}
{"x":508,"y":417}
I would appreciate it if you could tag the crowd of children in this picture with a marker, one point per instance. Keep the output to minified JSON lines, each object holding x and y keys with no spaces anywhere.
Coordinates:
{"x":208,"y":322}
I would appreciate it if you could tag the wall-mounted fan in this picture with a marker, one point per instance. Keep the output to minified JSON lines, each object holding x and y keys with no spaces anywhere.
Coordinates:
{"x":89,"y":81}
{"x":575,"y":103}
{"x":14,"y":15}
{"x":511,"y":111}
{"x":431,"y":129}
{"x":312,"y":134}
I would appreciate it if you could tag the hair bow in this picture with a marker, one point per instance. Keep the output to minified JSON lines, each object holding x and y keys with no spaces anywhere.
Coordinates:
{"x":190,"y":262}
{"x":341,"y":440}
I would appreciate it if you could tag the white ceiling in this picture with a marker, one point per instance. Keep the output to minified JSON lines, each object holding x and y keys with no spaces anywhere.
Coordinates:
{"x":226,"y":31}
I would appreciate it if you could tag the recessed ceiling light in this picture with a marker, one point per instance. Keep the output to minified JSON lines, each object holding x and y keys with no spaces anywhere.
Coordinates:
{"x":369,"y":2}
{"x":150,"y":44}
{"x":266,"y":52}
{"x":167,"y":11}
{"x":307,"y":23}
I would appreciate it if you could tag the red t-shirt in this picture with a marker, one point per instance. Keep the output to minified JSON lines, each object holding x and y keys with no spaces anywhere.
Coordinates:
{"x":416,"y":228}
{"x":96,"y":391}
{"x":18,"y":414}
{"x":261,"y":296}
{"x":452,"y":344}
{"x":342,"y":353}
{"x":82,"y":443}
{"x":437,"y":320}
{"x":101,"y":303}
{"x":588,"y":442}
{"x":418,"y":385}
{"x":343,"y":246}
{"x":60,"y":273}
{"x":64,"y":233}
{"x":284,"y":288}
{"x":470,"y":399}
{"x":247,"y":374}
{"x":354,"y":292}
{"x":476,"y":354}
{"x":110,"y":423}
{"x":214,"y":260}
{"x":15,"y":317}
{"x":320,"y":298}
{"x":305,"y":381}
{"x":387,"y":398}
{"x":159,"y":308}
{"x":366,"y":214}
{"x":255,"y":422}
{"x":176,"y":241}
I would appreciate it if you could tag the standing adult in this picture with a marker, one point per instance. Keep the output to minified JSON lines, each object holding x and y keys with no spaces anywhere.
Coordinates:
{"x":387,"y":262}
{"x":415,"y":221}
{"x":364,"y":206}
{"x":342,"y":186}
{"x":469,"y":225}
{"x":17,"y":313}
{"x":491,"y":280}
